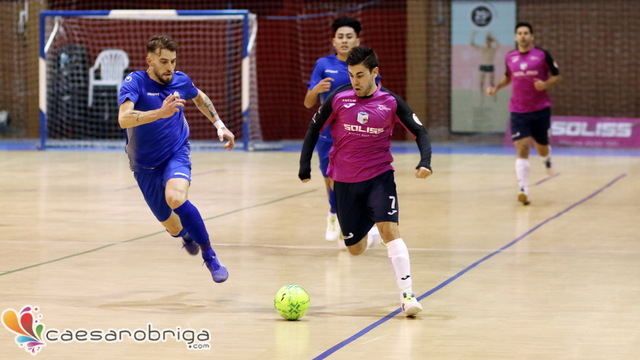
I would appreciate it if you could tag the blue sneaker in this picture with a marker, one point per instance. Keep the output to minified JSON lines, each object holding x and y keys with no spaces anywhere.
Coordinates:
{"x":190,"y":245}
{"x":218,"y":271}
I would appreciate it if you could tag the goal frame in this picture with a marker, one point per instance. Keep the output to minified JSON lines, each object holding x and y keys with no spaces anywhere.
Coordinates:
{"x":248,"y":42}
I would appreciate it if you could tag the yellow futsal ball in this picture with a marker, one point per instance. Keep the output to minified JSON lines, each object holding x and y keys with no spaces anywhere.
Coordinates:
{"x":292,"y":302}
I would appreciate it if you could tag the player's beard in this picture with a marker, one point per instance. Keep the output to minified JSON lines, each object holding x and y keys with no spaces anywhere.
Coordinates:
{"x":161,"y":77}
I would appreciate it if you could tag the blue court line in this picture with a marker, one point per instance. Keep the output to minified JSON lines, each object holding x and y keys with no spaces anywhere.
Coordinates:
{"x":397,"y":147}
{"x":451,"y":279}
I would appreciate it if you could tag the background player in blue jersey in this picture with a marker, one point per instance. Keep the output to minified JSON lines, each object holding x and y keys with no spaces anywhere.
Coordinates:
{"x":152,"y":112}
{"x":329,"y":73}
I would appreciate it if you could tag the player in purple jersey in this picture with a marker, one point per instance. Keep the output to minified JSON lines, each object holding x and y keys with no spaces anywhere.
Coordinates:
{"x":362,"y":116}
{"x":532,"y":71}
{"x":329,"y":73}
{"x":152,"y":112}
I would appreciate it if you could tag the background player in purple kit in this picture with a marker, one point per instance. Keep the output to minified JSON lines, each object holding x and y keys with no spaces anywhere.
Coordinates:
{"x":152,"y":112}
{"x":362,"y":116}
{"x":532,"y":72}
{"x":329,"y":73}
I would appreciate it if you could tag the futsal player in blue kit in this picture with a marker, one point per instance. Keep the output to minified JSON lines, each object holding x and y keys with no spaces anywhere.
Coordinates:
{"x":152,"y":112}
{"x":330,"y":72}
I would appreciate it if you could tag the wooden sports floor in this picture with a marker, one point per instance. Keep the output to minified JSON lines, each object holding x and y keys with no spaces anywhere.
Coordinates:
{"x":559,"y":279}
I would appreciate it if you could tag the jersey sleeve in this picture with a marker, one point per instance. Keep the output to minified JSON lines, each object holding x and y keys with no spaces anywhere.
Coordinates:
{"x":316,"y":75}
{"x":320,"y":118}
{"x":411,"y":121}
{"x":551,"y":64}
{"x":129,"y":90}
{"x":189,"y":88}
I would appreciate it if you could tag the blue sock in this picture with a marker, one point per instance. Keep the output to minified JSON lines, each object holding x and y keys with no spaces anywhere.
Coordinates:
{"x":332,"y":201}
{"x":194,"y":225}
{"x":181,"y":234}
{"x":187,"y":238}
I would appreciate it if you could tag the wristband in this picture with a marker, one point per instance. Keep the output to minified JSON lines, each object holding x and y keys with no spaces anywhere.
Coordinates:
{"x":219,"y":124}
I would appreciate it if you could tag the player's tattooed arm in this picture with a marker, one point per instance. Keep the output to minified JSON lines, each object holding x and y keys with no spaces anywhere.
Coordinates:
{"x":205,"y":105}
{"x":128,"y":117}
{"x":138,"y":115}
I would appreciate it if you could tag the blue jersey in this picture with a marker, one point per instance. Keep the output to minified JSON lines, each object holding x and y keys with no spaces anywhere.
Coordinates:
{"x":151,"y":145}
{"x":329,"y":66}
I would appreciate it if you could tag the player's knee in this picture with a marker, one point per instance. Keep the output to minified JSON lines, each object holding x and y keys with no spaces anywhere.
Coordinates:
{"x":522,"y":151}
{"x":176,"y":198}
{"x":358,"y":248}
{"x":543,"y":150}
{"x":388,"y":231}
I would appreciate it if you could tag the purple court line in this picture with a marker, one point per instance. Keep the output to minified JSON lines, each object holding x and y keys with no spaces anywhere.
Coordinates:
{"x":539,"y":182}
{"x":451,"y":279}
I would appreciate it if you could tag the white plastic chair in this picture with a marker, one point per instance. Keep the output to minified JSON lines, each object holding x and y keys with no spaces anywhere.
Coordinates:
{"x":112,"y":64}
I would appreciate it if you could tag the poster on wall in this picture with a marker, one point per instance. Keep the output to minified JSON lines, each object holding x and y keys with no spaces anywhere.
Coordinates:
{"x":481,"y":35}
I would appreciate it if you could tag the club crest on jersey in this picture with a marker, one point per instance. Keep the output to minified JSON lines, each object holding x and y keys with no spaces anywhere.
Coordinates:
{"x":363,"y":117}
{"x":523,"y":66}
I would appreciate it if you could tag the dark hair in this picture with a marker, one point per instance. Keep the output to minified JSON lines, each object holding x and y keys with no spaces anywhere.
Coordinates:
{"x":363,"y":55}
{"x":525,"y":24}
{"x":346,"y":21}
{"x":161,"y":42}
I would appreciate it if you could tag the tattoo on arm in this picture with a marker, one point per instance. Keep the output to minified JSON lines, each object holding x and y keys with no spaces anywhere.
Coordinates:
{"x":212,"y":110}
{"x":137,"y":114}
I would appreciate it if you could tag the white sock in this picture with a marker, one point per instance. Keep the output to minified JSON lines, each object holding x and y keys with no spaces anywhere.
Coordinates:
{"x":545,"y":158}
{"x":373,"y":237}
{"x":399,"y":255}
{"x":522,"y":173}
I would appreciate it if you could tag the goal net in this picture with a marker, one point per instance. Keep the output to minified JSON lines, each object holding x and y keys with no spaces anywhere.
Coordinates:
{"x":84,"y":56}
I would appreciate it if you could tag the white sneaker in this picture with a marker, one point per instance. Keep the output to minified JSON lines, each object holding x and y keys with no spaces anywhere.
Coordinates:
{"x":333,"y":228}
{"x":410,"y":305}
{"x":523,"y":197}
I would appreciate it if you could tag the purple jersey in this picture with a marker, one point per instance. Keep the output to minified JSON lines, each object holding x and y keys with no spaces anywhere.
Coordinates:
{"x":361,"y":128}
{"x":523,"y":69}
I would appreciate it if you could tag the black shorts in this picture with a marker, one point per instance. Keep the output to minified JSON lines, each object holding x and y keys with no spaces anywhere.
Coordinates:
{"x":535,"y":124}
{"x":362,"y":204}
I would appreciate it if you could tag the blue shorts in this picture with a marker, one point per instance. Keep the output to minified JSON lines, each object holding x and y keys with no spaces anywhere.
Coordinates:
{"x":153,"y":183}
{"x":324,"y":146}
